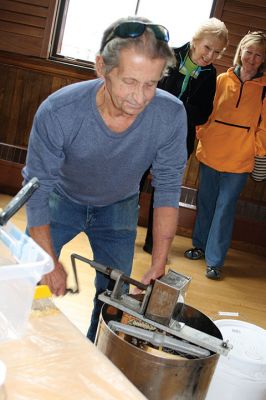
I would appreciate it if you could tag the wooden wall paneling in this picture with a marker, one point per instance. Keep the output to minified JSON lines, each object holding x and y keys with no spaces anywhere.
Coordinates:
{"x":257,"y":3}
{"x":19,"y":29}
{"x":16,"y":107}
{"x":24,"y":42}
{"x":45,"y":88}
{"x":12,"y":159}
{"x":12,"y":125}
{"x":30,"y":8}
{"x":59,"y":82}
{"x":243,"y":239}
{"x":250,"y":22}
{"x":13,"y":88}
{"x":263,"y":192}
{"x":50,"y":67}
{"x":26,"y":27}
{"x":231,"y":49}
{"x":12,"y":132}
{"x":255,"y":191}
{"x":24,"y":84}
{"x":7,"y":88}
{"x":10,"y":177}
{"x":190,"y":178}
{"x":244,"y":9}
{"x":28,"y":104}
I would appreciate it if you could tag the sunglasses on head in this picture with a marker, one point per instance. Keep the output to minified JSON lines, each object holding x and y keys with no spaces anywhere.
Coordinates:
{"x":258,"y":33}
{"x":134,"y":29}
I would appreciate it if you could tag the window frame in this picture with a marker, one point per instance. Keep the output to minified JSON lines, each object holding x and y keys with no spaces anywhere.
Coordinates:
{"x":59,"y":28}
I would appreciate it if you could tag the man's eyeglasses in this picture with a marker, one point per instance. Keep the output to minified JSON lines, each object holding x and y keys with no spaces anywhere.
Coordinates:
{"x":134,"y":29}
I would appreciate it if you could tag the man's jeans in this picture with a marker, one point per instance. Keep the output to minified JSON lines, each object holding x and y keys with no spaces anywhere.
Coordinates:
{"x":111,"y":231}
{"x":216,"y":206}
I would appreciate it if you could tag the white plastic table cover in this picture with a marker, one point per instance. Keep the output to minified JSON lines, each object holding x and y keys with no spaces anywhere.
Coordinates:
{"x":54,"y":361}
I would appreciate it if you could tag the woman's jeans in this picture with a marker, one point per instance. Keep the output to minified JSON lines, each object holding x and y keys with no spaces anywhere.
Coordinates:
{"x":216,"y":206}
{"x":111,"y":231}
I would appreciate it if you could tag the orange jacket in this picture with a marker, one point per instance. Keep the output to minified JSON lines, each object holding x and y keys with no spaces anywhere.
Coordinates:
{"x":236,"y":129}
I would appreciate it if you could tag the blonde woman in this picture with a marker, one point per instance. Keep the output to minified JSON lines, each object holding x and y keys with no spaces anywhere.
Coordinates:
{"x":193,"y":81}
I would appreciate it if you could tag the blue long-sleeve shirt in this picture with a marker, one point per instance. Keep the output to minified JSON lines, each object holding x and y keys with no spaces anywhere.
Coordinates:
{"x":71,"y":149}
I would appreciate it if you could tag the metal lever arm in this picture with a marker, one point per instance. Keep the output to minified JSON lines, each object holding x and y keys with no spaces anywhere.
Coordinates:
{"x":158,"y":339}
{"x":19,"y":200}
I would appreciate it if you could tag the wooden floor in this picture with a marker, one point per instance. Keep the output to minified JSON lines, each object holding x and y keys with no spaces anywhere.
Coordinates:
{"x":242,"y":290}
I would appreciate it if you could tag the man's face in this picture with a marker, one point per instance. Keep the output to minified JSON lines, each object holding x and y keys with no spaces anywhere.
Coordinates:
{"x":131,"y":85}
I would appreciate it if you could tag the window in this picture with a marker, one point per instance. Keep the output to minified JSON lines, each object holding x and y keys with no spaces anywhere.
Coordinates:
{"x":81,"y":22}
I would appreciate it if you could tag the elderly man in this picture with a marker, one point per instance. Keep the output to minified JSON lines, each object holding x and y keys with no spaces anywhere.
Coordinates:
{"x":89,"y":147}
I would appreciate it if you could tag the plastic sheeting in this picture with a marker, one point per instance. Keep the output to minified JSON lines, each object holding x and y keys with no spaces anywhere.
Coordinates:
{"x":53,"y":360}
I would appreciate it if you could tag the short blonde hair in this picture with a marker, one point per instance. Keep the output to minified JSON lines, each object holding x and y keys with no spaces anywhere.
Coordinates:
{"x":212,"y":27}
{"x":257,"y":38}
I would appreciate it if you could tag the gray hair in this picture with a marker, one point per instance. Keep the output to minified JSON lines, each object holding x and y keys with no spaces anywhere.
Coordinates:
{"x":251,"y":38}
{"x":145,"y":44}
{"x":212,"y":27}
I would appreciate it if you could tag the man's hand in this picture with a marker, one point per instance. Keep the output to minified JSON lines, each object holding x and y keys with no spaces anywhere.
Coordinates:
{"x":149,"y":277}
{"x":164,"y":227}
{"x":56,"y":280}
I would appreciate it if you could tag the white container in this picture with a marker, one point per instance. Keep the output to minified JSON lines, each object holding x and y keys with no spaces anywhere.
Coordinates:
{"x":22,"y":265}
{"x":242,"y":374}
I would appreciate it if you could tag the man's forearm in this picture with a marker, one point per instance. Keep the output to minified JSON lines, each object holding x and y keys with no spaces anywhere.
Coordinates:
{"x":56,"y":280}
{"x":164,"y":229}
{"x":41,"y":235}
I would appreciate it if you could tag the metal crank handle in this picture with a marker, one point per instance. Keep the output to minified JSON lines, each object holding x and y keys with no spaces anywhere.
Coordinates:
{"x":19,"y":200}
{"x":113,"y":273}
{"x":99,"y":267}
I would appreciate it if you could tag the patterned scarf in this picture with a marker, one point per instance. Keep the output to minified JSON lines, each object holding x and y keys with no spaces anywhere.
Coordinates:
{"x":188,"y":69}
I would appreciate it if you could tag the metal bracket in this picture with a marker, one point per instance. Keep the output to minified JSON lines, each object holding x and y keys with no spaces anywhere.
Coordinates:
{"x":175,"y":328}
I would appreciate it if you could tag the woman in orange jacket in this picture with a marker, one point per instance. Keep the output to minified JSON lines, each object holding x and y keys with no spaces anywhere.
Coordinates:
{"x":228,"y":143}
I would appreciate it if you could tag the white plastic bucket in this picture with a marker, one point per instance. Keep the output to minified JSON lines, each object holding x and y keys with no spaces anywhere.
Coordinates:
{"x":242,"y":374}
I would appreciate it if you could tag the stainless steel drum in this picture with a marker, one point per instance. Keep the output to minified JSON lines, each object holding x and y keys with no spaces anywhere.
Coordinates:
{"x":160,"y":375}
